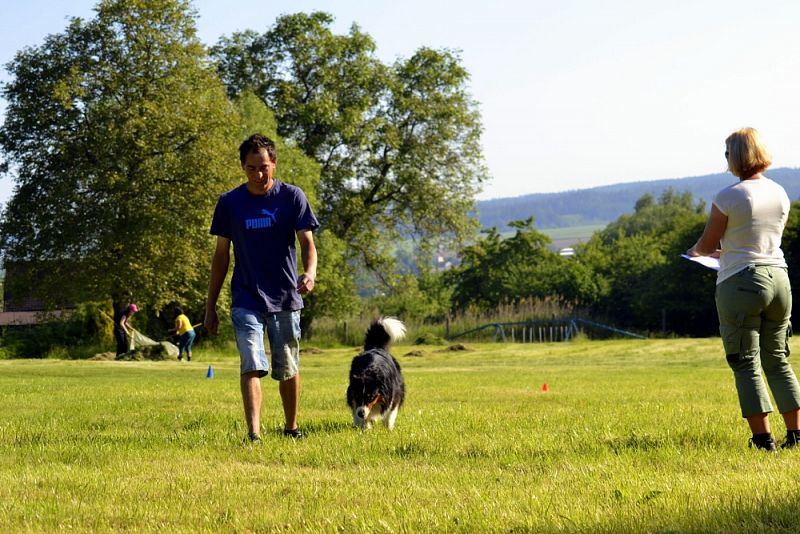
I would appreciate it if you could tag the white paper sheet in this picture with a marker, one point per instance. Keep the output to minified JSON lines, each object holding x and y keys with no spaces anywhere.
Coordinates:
{"x":705,"y":261}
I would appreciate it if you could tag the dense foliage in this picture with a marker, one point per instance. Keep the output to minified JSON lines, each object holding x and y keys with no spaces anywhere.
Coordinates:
{"x":496,"y":271}
{"x":629,"y":274}
{"x":119,"y":136}
{"x":649,"y":287}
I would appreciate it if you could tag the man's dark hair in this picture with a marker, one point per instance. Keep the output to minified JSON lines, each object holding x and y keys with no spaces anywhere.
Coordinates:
{"x":178,"y":310}
{"x":254,"y":144}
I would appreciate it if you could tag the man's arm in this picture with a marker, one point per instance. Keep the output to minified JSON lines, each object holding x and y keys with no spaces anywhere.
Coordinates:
{"x":123,"y":322}
{"x":219,"y":269}
{"x":308,"y":255}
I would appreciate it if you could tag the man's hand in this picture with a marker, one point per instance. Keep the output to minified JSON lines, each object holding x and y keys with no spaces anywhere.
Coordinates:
{"x":211,"y":321}
{"x":305,"y":284}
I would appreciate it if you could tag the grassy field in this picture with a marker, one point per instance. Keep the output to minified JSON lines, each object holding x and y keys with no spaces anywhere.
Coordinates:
{"x":566,"y":236}
{"x":576,"y":233}
{"x":631,"y":436}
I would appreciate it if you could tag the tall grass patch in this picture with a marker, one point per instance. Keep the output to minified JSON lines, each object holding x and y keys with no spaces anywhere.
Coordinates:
{"x":331,"y":332}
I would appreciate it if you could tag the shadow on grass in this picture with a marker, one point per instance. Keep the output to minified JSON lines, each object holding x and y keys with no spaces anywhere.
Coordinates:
{"x":330,"y":426}
{"x":648,"y":442}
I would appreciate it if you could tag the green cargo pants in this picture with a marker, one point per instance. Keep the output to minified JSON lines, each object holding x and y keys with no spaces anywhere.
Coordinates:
{"x":754,"y":306}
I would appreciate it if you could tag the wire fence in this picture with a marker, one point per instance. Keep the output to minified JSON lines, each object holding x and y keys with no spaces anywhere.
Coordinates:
{"x":539,"y":331}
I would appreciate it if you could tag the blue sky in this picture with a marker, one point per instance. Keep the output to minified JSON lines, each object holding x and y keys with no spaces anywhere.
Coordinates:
{"x":573,"y":93}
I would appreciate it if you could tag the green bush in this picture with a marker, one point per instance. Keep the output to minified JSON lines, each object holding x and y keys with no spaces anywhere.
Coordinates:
{"x":429,"y":338}
{"x":58,"y":338}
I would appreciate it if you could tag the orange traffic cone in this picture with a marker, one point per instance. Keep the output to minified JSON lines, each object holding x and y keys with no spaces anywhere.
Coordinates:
{"x":545,"y":388}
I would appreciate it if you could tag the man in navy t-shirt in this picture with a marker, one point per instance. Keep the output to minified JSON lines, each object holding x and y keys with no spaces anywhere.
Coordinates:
{"x":262,"y":218}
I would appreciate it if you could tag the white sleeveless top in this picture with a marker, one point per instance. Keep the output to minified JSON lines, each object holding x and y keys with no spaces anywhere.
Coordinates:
{"x":757,"y":211}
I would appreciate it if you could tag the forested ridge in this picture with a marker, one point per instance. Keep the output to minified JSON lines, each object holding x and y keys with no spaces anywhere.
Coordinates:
{"x":601,"y":205}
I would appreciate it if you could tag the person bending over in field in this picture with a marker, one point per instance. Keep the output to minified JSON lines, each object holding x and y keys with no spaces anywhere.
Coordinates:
{"x":262,"y":218}
{"x":754,"y":299}
{"x":122,"y":330}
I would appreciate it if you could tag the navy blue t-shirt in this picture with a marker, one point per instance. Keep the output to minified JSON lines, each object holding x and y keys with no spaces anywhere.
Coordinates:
{"x":263,"y":230}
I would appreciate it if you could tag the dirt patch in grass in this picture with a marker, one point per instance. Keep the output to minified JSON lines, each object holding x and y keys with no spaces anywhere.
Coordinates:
{"x":154,"y":353}
{"x":456,"y":347}
{"x":429,"y":339}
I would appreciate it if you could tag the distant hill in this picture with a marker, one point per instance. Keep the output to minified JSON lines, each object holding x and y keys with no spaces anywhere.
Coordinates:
{"x":601,"y":205}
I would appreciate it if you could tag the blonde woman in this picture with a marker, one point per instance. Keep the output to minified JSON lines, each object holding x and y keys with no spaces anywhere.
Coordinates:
{"x":753,"y":296}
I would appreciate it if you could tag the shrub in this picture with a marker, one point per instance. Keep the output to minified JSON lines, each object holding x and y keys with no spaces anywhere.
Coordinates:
{"x":85,"y":325}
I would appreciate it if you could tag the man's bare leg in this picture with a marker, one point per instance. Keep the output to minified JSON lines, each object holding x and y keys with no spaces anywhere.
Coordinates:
{"x":290,"y":397}
{"x":251,"y":396}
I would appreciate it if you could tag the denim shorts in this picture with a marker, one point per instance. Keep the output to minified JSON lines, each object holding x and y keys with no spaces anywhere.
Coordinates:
{"x":283,"y":331}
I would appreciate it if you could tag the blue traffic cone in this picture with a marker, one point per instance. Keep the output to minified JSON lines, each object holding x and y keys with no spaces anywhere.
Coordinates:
{"x":210,"y":372}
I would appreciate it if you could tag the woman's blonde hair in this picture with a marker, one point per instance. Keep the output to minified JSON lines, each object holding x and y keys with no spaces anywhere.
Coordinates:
{"x":746,"y":154}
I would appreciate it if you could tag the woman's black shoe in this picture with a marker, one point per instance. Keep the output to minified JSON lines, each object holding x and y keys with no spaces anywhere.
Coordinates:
{"x":792,"y":439}
{"x":764,"y":441}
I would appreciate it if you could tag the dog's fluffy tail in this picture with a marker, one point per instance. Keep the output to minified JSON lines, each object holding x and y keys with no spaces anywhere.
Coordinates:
{"x":384,"y":331}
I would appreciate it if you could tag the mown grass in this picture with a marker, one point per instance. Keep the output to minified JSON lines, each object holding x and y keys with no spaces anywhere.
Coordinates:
{"x":570,"y":234}
{"x":631,"y":436}
{"x":575,"y":233}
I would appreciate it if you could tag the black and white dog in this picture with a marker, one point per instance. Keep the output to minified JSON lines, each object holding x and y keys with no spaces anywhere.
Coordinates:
{"x":377,"y":389}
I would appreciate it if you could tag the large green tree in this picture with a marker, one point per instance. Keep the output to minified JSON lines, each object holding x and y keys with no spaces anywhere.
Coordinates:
{"x":646,"y":283}
{"x":398,"y":145}
{"x":119,"y":137}
{"x":791,"y":248}
{"x":495,"y":271}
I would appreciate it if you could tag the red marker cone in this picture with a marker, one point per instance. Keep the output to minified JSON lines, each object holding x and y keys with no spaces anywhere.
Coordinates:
{"x":545,"y":388}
